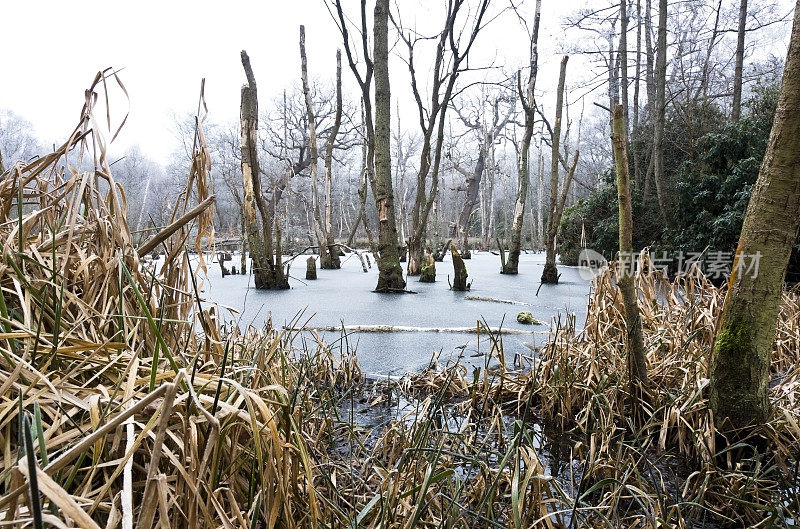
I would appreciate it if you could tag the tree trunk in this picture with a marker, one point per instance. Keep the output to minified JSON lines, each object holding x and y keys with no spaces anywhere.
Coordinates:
{"x":473,"y":188}
{"x":736,"y":111}
{"x":660,"y":108}
{"x":637,"y":360}
{"x":637,"y":155}
{"x":325,"y":259}
{"x":550,"y":272}
{"x":267,"y":271}
{"x":459,"y":272}
{"x":332,"y":252}
{"x":311,"y":268}
{"x":428,"y":273}
{"x":243,"y":263}
{"x":741,"y":362}
{"x":390,"y":274}
{"x":511,"y":265}
{"x":623,"y":59}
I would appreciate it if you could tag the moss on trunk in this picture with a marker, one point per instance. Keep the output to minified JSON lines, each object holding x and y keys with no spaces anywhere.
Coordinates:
{"x":428,"y":271}
{"x":741,"y":363}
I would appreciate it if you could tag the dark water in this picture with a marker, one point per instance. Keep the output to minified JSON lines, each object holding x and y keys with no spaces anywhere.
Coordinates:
{"x":345,"y":296}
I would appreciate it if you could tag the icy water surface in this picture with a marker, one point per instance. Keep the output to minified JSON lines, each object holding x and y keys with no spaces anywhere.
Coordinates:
{"x":345,"y":297}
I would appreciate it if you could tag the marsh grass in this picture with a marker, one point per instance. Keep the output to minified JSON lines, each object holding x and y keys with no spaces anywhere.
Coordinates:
{"x":125,"y":402}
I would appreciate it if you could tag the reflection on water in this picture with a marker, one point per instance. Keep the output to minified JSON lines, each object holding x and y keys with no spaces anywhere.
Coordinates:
{"x":345,"y":296}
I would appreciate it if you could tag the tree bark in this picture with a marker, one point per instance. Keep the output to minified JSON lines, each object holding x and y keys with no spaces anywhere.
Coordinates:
{"x":743,"y":347}
{"x":637,"y":359}
{"x":243,"y":259}
{"x":511,"y":264}
{"x":325,"y":259}
{"x":623,"y":59}
{"x":550,"y":272}
{"x":736,"y":111}
{"x":332,"y":252}
{"x":637,"y":163}
{"x":660,"y":108}
{"x":390,"y":274}
{"x":267,"y":270}
{"x":459,"y":272}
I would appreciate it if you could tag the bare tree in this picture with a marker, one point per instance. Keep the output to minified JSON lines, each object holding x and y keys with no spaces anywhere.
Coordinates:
{"x":267,"y":265}
{"x":557,"y":203}
{"x":660,"y":107}
{"x":450,"y":50}
{"x":527,"y":99}
{"x":378,"y":157}
{"x":329,"y":255}
{"x":487,"y":129}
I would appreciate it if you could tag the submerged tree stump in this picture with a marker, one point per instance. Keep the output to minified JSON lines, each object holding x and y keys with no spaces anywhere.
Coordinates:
{"x":428,"y":271}
{"x":311,"y":268}
{"x":550,"y":274}
{"x":460,"y":270}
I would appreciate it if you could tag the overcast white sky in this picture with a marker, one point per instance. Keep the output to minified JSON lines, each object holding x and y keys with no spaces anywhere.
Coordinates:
{"x":51,"y":51}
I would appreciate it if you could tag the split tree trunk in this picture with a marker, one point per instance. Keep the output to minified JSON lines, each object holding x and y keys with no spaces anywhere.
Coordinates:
{"x":267,"y":268}
{"x":511,"y":265}
{"x":736,"y":111}
{"x":637,"y":360}
{"x":390,"y":274}
{"x":741,"y":362}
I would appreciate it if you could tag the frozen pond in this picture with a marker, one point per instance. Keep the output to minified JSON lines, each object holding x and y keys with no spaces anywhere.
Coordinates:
{"x":345,"y":297}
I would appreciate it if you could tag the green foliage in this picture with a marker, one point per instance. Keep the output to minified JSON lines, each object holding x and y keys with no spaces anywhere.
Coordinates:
{"x":709,"y":180}
{"x":712,"y":193}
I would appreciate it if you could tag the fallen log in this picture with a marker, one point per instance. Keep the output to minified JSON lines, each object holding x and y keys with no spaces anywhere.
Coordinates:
{"x":405,"y":328}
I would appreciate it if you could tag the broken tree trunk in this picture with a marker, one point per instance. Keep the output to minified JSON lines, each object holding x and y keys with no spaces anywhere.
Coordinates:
{"x":332,"y":252}
{"x":268,"y":271}
{"x":459,"y":271}
{"x":311,"y":268}
{"x":428,"y":272}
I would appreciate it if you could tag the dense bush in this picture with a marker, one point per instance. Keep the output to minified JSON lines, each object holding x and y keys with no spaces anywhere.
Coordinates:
{"x":709,"y":181}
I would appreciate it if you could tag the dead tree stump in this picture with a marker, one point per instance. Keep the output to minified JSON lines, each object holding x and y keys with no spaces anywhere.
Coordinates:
{"x":427,"y":272}
{"x":311,"y":268}
{"x":460,"y":270}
